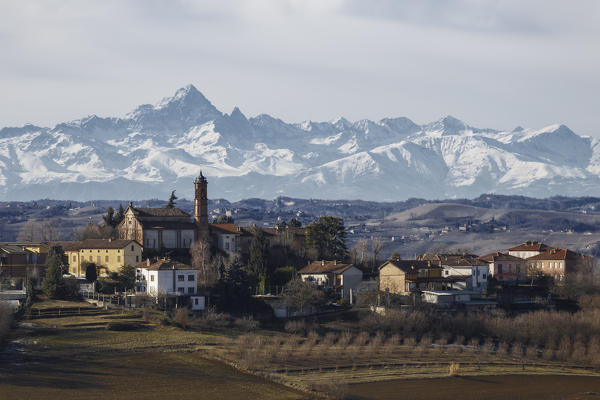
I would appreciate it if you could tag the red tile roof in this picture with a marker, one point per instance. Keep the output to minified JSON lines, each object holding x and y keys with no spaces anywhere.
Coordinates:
{"x":324,"y":267}
{"x":556,"y":254}
{"x":408,"y":265}
{"x":531,"y":246}
{"x":225,"y":228}
{"x":497,"y":256}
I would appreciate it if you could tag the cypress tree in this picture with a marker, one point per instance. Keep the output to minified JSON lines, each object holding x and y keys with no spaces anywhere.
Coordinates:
{"x":54,"y":284}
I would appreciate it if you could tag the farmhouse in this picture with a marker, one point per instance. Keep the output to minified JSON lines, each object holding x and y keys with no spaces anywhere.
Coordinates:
{"x":108,"y":254}
{"x":558,"y":263}
{"x":23,"y":263}
{"x":166,"y":277}
{"x":331,"y":274}
{"x":467,"y":270}
{"x":505,"y":267}
{"x":405,"y":276}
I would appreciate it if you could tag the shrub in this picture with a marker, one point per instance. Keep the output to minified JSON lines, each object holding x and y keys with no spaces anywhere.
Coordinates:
{"x":182,"y":318}
{"x":124,"y":326}
{"x":246,"y":324}
{"x":453,"y":369}
{"x":6,"y":318}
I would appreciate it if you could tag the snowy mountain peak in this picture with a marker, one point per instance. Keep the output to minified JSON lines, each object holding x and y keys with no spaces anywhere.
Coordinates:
{"x":159,"y":148}
{"x":186,"y":96}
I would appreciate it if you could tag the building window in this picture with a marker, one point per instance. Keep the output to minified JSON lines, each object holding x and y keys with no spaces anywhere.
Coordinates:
{"x":191,"y":278}
{"x":181,"y":290}
{"x":227,"y":246}
{"x":180,"y":278}
{"x":118,"y":258}
{"x":105,"y":258}
{"x":131,"y":247}
{"x":98,"y":259}
{"x":196,"y":302}
{"x":499,"y":268}
{"x":191,"y":290}
{"x":151,"y":278}
{"x":137,"y":258}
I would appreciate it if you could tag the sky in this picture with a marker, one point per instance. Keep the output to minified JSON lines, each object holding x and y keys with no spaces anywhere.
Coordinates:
{"x":495,"y":64}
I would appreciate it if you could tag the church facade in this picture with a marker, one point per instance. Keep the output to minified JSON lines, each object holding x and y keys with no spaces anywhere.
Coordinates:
{"x":167,"y":228}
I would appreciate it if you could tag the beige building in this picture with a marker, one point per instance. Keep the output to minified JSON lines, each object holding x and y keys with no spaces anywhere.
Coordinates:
{"x":109,"y":254}
{"x":405,"y":276}
{"x":558,"y":263}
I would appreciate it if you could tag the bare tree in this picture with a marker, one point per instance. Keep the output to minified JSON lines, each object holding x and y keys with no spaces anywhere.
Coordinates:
{"x":29,"y":232}
{"x":359,"y":253}
{"x":375,"y":245}
{"x":49,"y":231}
{"x":207,"y":271}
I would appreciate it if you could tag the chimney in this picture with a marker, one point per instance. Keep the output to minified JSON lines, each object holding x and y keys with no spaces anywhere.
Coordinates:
{"x":109,"y":240}
{"x":322,"y":262}
{"x":148,"y":262}
{"x":334,"y":262}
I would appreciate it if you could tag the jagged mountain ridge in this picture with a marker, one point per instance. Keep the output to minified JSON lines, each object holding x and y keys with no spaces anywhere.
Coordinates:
{"x":158,"y":148}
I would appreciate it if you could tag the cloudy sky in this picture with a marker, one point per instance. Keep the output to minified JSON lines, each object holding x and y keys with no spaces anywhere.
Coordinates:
{"x":491,"y":63}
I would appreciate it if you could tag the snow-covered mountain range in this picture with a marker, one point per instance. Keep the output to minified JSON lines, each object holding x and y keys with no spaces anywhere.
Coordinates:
{"x":162,"y":147}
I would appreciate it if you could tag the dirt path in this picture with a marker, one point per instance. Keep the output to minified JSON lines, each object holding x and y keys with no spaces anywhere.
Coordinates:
{"x":509,"y":387}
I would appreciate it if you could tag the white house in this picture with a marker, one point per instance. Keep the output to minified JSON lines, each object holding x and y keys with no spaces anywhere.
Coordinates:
{"x":528,"y":249}
{"x":226,"y":237}
{"x":466,"y":271}
{"x":331,"y":274}
{"x":166,"y":277}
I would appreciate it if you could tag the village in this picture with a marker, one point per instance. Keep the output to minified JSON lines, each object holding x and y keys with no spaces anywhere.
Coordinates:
{"x":177,"y":257}
{"x":271,"y":301}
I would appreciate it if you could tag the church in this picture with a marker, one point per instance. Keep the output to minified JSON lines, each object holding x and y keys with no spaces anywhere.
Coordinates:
{"x":167,"y":228}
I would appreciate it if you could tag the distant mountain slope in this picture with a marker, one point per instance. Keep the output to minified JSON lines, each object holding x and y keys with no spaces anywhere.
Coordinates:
{"x":158,"y":148}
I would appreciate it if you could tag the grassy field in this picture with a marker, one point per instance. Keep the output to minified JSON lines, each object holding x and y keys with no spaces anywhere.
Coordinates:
{"x":65,"y":351}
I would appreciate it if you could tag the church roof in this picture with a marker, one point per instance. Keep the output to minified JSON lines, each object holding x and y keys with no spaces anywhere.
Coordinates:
{"x":166,"y":224}
{"x":160,"y":212}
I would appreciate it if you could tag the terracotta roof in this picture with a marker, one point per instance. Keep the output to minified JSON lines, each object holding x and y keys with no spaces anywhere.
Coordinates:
{"x":69,"y":246}
{"x":531,"y":246}
{"x":556,"y":254}
{"x":164,"y":265}
{"x":497,"y":256}
{"x":160,"y":212}
{"x":324,"y":267}
{"x":408,"y":265}
{"x":225,"y":228}
{"x":95,"y":244}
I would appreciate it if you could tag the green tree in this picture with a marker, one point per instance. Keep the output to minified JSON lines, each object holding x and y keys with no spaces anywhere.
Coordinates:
{"x":294,"y":223}
{"x":54,"y":284}
{"x":258,"y":260}
{"x":126,"y":277}
{"x":327,"y":236}
{"x":300,"y":294}
{"x":91,"y":271}
{"x":172,"y":198}
{"x":395,"y":256}
{"x":109,"y":218}
{"x":224,"y":219}
{"x":120,"y":216}
{"x":234,"y":287}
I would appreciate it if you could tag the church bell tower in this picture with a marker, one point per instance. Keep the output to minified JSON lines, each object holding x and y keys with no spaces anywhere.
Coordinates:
{"x":201,"y":203}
